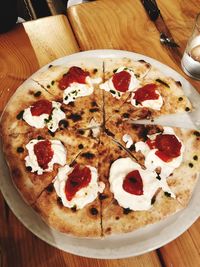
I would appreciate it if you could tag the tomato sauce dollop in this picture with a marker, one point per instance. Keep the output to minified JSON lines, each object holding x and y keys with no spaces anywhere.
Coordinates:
{"x":79,"y":178}
{"x":168,"y":146}
{"x":147,"y":92}
{"x":44,"y":153}
{"x":133,"y":183}
{"x":75,"y":74}
{"x":121,"y":81}
{"x":41,"y":107}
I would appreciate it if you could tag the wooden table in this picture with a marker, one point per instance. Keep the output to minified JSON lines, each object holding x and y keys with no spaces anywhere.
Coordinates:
{"x":102,"y":24}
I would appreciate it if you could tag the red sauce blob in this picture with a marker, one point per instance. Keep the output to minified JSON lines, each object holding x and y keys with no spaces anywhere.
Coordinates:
{"x":133,"y":183}
{"x":44,"y":153}
{"x":168,"y":146}
{"x":41,"y":107}
{"x":75,"y":74}
{"x":147,"y":92}
{"x":121,"y":81}
{"x":80,"y":177}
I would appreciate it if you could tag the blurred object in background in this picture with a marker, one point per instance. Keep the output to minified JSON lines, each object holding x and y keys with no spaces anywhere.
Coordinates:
{"x":8,"y":14}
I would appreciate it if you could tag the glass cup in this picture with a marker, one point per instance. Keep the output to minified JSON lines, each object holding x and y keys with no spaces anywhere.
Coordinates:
{"x":191,"y":58}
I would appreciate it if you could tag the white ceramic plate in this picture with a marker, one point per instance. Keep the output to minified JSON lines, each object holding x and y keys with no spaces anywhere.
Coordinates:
{"x":120,"y":246}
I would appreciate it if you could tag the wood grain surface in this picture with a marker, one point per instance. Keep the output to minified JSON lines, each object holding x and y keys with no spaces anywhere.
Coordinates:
{"x":96,"y":25}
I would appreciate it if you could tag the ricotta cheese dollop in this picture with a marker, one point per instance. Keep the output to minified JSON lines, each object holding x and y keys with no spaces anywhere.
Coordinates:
{"x":59,"y":156}
{"x":118,"y":171}
{"x":76,"y":90}
{"x":50,"y":121}
{"x":147,"y":96}
{"x":152,"y":161}
{"x":83,"y":196}
{"x":108,"y":86}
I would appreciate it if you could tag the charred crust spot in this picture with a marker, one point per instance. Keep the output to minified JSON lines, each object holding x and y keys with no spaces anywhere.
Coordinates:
{"x":81,"y":132}
{"x":20,"y":115}
{"x":88,"y":155}
{"x":178,"y":83}
{"x":153,"y":199}
{"x":71,"y":104}
{"x":162,"y":82}
{"x":195,"y":157}
{"x":40,"y":137}
{"x":142,"y":61}
{"x":94,"y":211}
{"x":59,"y":201}
{"x":187,"y":109}
{"x":80,"y":146}
{"x":50,"y":188}
{"x":132,"y":147}
{"x":116,"y":111}
{"x":92,"y":110}
{"x":167,"y":194}
{"x":52,"y":82}
{"x":95,"y":71}
{"x":73,"y":163}
{"x":51,"y":133}
{"x":102,"y":196}
{"x":108,"y":230}
{"x":74,"y":117}
{"x":94,"y":104}
{"x":196,"y":133}
{"x":48,"y":86}
{"x":117,"y":218}
{"x":109,"y":133}
{"x":38,"y":93}
{"x":74,"y":209}
{"x":190,"y":165}
{"x":126,"y":115}
{"x":20,"y":149}
{"x":29,"y":168}
{"x":158,"y":177}
{"x":180,"y":98}
{"x":127,"y":210}
{"x":50,"y":66}
{"x":63,"y":124}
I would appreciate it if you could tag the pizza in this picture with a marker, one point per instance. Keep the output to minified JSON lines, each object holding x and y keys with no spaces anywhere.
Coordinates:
{"x":78,"y":157}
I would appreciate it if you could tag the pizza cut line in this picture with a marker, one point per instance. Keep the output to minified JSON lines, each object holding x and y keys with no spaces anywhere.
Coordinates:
{"x":75,"y":156}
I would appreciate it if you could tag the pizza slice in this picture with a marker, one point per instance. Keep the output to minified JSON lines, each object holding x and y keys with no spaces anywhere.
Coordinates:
{"x":157,"y":95}
{"x":71,"y":202}
{"x":76,"y":86}
{"x":141,"y":91}
{"x":121,"y":77}
{"x":172,"y":152}
{"x":132,"y":198}
{"x":34,"y":158}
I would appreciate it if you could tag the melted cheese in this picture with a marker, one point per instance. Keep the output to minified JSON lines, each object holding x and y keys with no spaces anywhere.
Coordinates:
{"x":152,"y":161}
{"x":52,"y":121}
{"x":154,"y":104}
{"x":108,"y":86}
{"x":76,"y":90}
{"x":118,"y":171}
{"x":82,"y":197}
{"x":59,"y":156}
